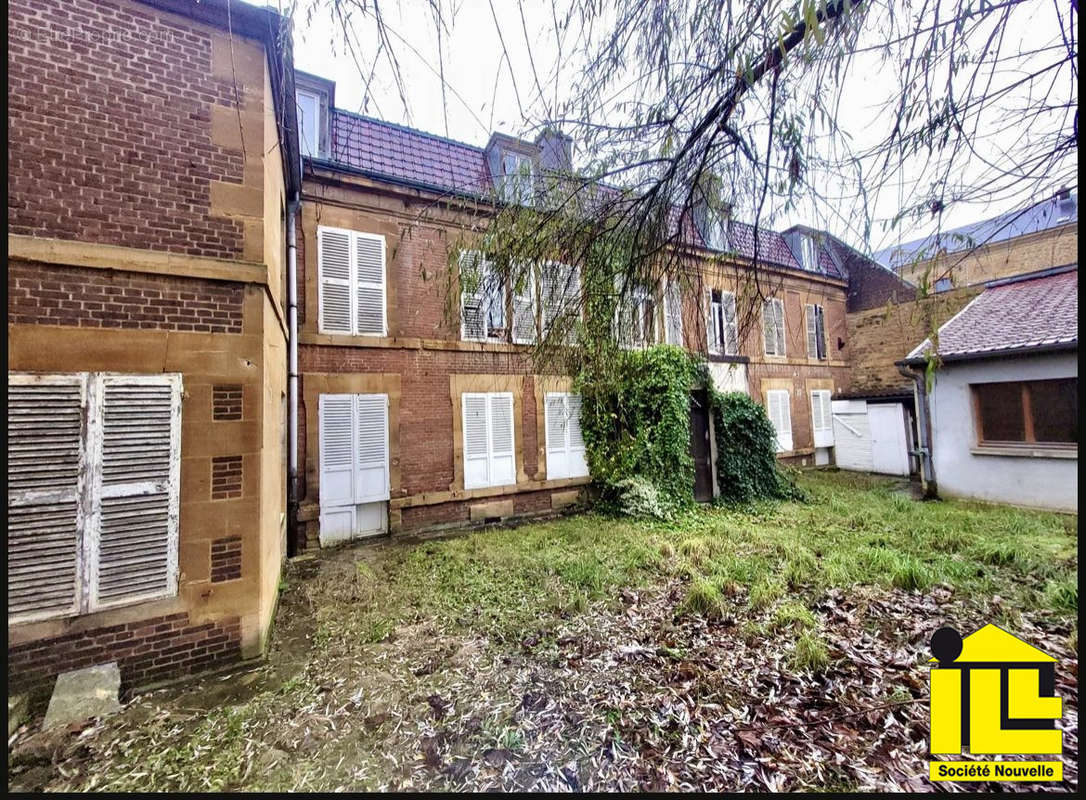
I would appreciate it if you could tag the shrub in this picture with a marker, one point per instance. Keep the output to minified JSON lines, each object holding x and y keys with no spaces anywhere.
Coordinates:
{"x":746,"y":461}
{"x":637,"y":497}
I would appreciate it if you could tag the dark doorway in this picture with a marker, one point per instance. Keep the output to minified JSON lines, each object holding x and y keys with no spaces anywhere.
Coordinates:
{"x":699,"y":446}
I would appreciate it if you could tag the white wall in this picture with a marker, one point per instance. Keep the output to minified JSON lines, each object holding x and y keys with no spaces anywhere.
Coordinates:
{"x":729,"y":377}
{"x":1021,"y":480}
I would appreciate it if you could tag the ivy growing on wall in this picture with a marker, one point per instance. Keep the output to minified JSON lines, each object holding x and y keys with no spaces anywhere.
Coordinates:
{"x":746,"y":459}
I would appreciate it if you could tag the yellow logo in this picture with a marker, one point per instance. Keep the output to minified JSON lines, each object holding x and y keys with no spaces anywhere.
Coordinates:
{"x":993,"y":694}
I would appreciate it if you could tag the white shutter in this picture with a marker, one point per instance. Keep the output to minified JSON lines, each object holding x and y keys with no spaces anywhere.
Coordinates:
{"x":673,"y":319}
{"x":502,"y":455}
{"x":812,"y":332}
{"x":712,"y":331}
{"x":336,"y":450}
{"x":136,"y":478}
{"x":779,"y":307}
{"x":578,"y":465}
{"x":476,"y":440}
{"x":821,"y":418}
{"x":565,"y":445}
{"x":371,"y":482}
{"x":336,"y":311}
{"x":731,"y":325}
{"x":780,"y":415}
{"x":769,"y":329}
{"x":369,"y":250}
{"x":473,"y":306}
{"x":524,"y":311}
{"x":45,"y":451}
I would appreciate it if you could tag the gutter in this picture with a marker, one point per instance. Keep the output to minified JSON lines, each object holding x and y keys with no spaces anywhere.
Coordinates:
{"x":1029,"y":349}
{"x":293,"y":209}
{"x":923,"y":423}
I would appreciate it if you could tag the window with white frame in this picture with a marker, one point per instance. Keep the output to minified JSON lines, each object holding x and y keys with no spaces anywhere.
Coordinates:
{"x":309,"y":109}
{"x":518,"y":182}
{"x":673,"y":313}
{"x":822,"y":418}
{"x":778,"y":408}
{"x":560,"y":288}
{"x":525,"y":306}
{"x":93,"y":491}
{"x":489,"y":455}
{"x":808,"y":251}
{"x":351,"y":280}
{"x":482,"y":300}
{"x":773,"y":327}
{"x":565,"y":445}
{"x":816,"y":331}
{"x":634,"y":317}
{"x":721,"y":324}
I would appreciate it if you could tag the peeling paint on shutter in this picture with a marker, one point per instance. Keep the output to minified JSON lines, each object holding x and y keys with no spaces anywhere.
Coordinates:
{"x":45,"y":433}
{"x":336,"y":311}
{"x":136,"y":473}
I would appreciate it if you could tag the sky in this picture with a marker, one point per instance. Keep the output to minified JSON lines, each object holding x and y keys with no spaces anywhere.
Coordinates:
{"x":491,"y":58}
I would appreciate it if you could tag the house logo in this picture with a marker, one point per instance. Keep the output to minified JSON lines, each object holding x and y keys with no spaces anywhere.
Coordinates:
{"x":993,"y":694}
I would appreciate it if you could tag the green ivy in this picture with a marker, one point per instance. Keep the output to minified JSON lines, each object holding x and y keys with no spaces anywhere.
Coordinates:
{"x":746,"y":460}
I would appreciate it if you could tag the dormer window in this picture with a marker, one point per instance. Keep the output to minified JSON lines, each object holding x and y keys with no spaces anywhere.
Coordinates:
{"x":716,"y":232}
{"x":808,"y":253}
{"x":309,"y":114}
{"x":518,"y":178}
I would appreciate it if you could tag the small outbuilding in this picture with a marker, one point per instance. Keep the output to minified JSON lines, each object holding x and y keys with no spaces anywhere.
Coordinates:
{"x":1003,"y":406}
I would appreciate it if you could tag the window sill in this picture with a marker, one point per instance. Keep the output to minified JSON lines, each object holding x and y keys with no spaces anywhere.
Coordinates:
{"x":1025,"y":452}
{"x":726,"y":359}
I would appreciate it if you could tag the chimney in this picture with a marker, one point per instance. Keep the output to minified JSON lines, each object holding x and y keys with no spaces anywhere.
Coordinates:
{"x":556,"y":150}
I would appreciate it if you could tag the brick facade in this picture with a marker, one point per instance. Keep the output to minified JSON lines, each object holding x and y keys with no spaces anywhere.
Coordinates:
{"x":48,"y":294}
{"x":226,"y":559}
{"x":226,"y":477}
{"x":146,"y":651}
{"x":110,"y":137}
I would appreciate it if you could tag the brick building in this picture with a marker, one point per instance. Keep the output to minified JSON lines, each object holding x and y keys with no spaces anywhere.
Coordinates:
{"x":435,"y":385}
{"x":151,"y":155}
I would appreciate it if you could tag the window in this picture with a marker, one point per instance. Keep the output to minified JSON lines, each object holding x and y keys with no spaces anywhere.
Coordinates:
{"x":721,"y":323}
{"x":808,"y":252}
{"x":1027,"y":412}
{"x":351,"y":267}
{"x":778,"y":407}
{"x":773,"y":325}
{"x":634,"y":317}
{"x":517,"y":178}
{"x":94,"y":469}
{"x":309,"y":107}
{"x":816,"y":332}
{"x":561,"y":289}
{"x":821,"y":418}
{"x":482,"y":300}
{"x":565,"y":447}
{"x":353,"y":459}
{"x":716,"y":231}
{"x":673,"y":314}
{"x":489,"y":458}
{"x":943,"y":285}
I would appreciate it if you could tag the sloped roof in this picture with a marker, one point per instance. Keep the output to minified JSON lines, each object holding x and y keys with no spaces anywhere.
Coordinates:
{"x":1060,"y":209}
{"x":1038,"y":311}
{"x":384,"y":149}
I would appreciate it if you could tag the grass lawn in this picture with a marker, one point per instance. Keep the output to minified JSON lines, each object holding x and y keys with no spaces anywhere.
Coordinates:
{"x":780,"y":646}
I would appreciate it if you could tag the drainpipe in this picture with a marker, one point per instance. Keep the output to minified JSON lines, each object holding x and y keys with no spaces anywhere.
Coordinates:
{"x":292,"y":375}
{"x":923,"y":422}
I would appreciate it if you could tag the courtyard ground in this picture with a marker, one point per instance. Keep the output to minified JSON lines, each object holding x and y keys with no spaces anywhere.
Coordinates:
{"x":781,"y":647}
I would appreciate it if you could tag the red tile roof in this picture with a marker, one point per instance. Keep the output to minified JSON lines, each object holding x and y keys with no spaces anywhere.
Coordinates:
{"x":400,"y":153}
{"x":1016,"y":314}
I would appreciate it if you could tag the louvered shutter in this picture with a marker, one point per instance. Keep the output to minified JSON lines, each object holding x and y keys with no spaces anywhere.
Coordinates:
{"x":337,"y":464}
{"x":822,"y":420}
{"x":45,"y":451}
{"x":812,"y":332}
{"x":369,"y":253}
{"x":137,"y":479}
{"x":779,"y":305}
{"x":820,"y":330}
{"x":557,"y":438}
{"x":473,"y":307}
{"x":336,"y":310}
{"x":524,"y":310}
{"x":731,"y":325}
{"x":371,"y":449}
{"x":712,"y":331}
{"x":560,"y":290}
{"x":673,"y":318}
{"x":769,"y":328}
{"x":578,"y":465}
{"x":780,"y":416}
{"x":476,"y":441}
{"x":502,"y":456}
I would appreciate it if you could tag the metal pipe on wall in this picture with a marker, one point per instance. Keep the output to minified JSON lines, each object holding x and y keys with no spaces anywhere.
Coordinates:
{"x":293,"y":209}
{"x":923,"y":422}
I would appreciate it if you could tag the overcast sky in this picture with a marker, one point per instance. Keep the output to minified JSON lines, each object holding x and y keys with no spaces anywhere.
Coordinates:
{"x":484,"y":92}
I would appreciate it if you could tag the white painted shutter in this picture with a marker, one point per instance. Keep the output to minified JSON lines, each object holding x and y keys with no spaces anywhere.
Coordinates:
{"x":779,"y":306}
{"x":524,"y":311}
{"x":336,"y":310}
{"x":336,"y":450}
{"x":821,"y":420}
{"x":371,"y":450}
{"x":712,"y":331}
{"x":578,"y":464}
{"x":812,"y":332}
{"x":369,"y":252}
{"x":554,"y":406}
{"x":135,"y":515}
{"x":781,"y":417}
{"x":769,"y":329}
{"x":673,"y":319}
{"x":45,"y":451}
{"x":502,"y":455}
{"x":473,"y":306}
{"x":476,"y":440}
{"x":731,"y":325}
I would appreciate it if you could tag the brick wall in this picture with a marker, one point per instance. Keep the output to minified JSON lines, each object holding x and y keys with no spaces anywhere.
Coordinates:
{"x":46,"y":294}
{"x":146,"y":651}
{"x":116,"y":99}
{"x":226,"y":477}
{"x":226,"y":559}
